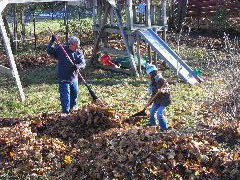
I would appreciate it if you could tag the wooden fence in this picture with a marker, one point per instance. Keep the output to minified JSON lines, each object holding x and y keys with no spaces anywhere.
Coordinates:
{"x":208,"y":8}
{"x":210,"y":14}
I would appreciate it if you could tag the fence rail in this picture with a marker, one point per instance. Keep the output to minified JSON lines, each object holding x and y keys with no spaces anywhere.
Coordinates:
{"x":204,"y":8}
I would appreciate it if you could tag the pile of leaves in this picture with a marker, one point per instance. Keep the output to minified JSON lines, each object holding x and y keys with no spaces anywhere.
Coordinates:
{"x":91,"y":119}
{"x":91,"y":144}
{"x":34,"y":60}
{"x":34,"y":146}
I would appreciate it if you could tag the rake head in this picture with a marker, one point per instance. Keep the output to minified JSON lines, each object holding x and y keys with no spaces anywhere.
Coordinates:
{"x":140,"y":113}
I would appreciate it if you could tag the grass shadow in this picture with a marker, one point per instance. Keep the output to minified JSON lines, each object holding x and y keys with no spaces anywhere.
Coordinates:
{"x":8,"y":122}
{"x":47,"y":75}
{"x":40,"y":75}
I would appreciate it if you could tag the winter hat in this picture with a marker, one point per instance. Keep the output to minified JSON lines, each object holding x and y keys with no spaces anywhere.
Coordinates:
{"x":73,"y":40}
{"x":150,"y":68}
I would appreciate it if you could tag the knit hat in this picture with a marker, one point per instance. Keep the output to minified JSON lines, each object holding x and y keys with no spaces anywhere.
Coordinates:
{"x":150,"y":68}
{"x":73,"y":40}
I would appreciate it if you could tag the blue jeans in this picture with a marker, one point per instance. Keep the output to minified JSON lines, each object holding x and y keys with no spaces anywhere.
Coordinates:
{"x":68,"y":95}
{"x":160,"y":111}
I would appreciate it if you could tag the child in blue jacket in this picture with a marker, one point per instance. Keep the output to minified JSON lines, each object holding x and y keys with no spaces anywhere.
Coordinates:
{"x":158,"y":85}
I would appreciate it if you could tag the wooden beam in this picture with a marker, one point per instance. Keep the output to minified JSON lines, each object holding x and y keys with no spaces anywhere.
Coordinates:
{"x":111,"y":30}
{"x":152,"y":14}
{"x":114,"y":51}
{"x":164,"y":15}
{"x":129,"y":12}
{"x":66,"y":19}
{"x":112,"y":19}
{"x":95,"y":12}
{"x":134,"y":14}
{"x":139,"y":54}
{"x":5,"y":70}
{"x":148,"y":14}
{"x":11,"y":59}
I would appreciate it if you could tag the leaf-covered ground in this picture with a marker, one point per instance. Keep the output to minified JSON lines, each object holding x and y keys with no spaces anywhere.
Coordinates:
{"x":91,"y":144}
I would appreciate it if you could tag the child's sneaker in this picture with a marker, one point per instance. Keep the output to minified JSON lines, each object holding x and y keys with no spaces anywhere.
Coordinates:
{"x":75,"y":108}
{"x":64,"y":115}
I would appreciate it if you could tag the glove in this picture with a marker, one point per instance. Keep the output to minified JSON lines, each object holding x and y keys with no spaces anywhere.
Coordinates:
{"x":53,"y":38}
{"x":75,"y":67}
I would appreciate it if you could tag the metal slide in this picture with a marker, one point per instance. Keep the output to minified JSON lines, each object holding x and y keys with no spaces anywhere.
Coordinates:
{"x":170,"y":57}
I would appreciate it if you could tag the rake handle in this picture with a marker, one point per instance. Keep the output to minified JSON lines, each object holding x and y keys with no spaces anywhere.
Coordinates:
{"x":153,"y":98}
{"x":66,"y":54}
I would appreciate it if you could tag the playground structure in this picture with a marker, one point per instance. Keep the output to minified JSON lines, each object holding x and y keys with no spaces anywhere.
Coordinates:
{"x":109,"y":19}
{"x":126,"y":18}
{"x":133,"y":23}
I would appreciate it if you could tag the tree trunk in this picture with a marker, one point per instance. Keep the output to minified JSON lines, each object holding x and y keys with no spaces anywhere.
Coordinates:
{"x":23,"y":22}
{"x":15,"y":40}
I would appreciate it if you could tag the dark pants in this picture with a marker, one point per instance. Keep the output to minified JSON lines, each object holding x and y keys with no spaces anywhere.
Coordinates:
{"x":68,"y":96}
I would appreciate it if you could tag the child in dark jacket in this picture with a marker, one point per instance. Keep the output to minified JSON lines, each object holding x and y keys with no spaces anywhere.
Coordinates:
{"x":158,"y":85}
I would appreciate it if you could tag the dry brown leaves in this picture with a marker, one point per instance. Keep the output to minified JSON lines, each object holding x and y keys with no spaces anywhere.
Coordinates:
{"x":225,"y":129}
{"x":89,"y":144}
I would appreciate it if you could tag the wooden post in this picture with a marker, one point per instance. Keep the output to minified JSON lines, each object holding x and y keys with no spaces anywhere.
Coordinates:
{"x":171,"y":14}
{"x":164,"y":15}
{"x":15,"y":22}
{"x":66,"y":20}
{"x":150,"y":54}
{"x":95,"y":20}
{"x":134,"y":15}
{"x":129,"y":12}
{"x":52,"y":10}
{"x":155,"y":54}
{"x":159,"y":15}
{"x":99,"y":14}
{"x":148,"y":14}
{"x":34,"y":31}
{"x":23,"y":22}
{"x":11,"y":60}
{"x":95,"y":12}
{"x":152,"y":14}
{"x":139,"y":53}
